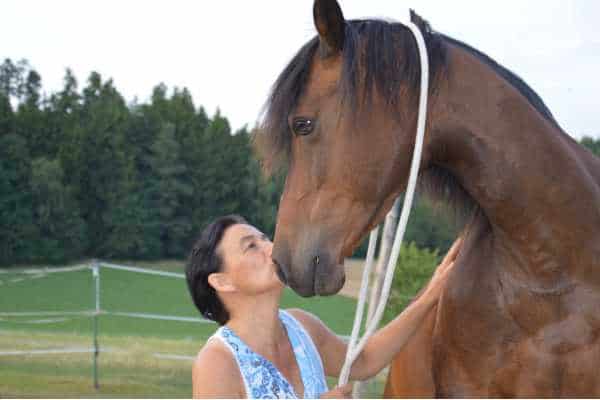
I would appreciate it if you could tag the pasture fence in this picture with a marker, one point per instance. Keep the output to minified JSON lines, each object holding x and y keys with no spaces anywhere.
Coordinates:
{"x":14,"y":277}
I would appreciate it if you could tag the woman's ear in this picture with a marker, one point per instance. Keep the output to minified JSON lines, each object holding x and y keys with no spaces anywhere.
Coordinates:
{"x":221,"y":282}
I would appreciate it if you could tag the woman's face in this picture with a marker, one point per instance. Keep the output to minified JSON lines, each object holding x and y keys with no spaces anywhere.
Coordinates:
{"x":246,"y":254}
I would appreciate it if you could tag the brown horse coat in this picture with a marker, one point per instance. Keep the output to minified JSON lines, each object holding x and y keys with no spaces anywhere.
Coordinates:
{"x":519,"y":315}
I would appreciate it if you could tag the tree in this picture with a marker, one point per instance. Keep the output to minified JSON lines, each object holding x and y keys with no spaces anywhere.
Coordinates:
{"x":592,"y":144}
{"x":17,"y":228}
{"x":12,"y":78}
{"x":217,"y":171}
{"x":62,"y":118}
{"x":131,"y":224}
{"x":62,"y":231}
{"x":99,"y":161}
{"x":7,"y":119}
{"x":31,"y":119}
{"x":169,"y":188}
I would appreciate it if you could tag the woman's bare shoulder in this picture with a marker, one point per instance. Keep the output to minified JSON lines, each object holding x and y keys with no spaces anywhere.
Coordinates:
{"x":215,"y":373}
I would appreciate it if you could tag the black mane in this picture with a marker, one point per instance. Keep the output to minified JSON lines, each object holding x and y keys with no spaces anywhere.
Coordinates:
{"x":379,"y":55}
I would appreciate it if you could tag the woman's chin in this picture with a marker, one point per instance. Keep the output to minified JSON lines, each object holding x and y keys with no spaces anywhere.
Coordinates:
{"x":278,"y":284}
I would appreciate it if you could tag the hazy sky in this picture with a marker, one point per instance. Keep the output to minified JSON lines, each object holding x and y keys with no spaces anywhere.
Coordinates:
{"x":228,"y":53}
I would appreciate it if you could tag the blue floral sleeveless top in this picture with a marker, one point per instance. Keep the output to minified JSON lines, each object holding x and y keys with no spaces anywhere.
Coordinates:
{"x":262,"y":379}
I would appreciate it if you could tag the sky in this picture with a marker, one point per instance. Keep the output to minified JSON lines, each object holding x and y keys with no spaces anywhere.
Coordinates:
{"x":229,"y":53}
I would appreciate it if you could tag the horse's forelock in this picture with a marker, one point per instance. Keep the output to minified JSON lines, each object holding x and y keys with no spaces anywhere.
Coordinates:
{"x":377,"y":54}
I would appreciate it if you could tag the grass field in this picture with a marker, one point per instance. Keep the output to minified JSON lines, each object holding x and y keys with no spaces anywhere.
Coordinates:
{"x":128,"y":366}
{"x":132,"y":361}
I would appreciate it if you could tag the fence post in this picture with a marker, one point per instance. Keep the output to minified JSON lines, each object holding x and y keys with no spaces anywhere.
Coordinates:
{"x":96,"y":272}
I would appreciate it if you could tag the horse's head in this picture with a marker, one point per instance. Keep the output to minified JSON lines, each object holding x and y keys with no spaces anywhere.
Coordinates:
{"x":335,"y":113}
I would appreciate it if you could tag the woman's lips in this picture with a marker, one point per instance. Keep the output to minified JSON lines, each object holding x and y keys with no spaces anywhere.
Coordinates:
{"x":280,"y":273}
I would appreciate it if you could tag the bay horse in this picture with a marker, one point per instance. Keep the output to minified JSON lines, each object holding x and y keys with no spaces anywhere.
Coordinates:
{"x":519,"y":315}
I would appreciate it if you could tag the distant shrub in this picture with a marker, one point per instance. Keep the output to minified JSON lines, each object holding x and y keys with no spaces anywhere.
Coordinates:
{"x":414,"y":269}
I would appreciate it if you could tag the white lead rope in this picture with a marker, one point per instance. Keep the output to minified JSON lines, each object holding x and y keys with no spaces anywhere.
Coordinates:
{"x":354,"y":349}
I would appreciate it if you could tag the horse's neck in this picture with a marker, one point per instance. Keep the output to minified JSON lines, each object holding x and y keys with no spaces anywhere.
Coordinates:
{"x":531,"y":181}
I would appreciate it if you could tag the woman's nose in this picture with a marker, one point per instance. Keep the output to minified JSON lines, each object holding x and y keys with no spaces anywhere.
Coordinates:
{"x":269,"y":248}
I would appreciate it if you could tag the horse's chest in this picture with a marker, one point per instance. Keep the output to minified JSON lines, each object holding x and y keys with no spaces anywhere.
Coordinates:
{"x":547,"y":364}
{"x":480,"y":349}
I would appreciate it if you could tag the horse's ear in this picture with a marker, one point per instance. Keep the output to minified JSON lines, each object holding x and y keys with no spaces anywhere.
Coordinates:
{"x":330,"y":24}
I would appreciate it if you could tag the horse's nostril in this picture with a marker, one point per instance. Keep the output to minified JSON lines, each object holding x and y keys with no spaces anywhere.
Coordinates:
{"x":316,"y":261}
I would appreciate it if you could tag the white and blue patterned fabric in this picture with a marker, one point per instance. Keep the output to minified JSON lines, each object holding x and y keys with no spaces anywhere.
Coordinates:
{"x":262,"y":379}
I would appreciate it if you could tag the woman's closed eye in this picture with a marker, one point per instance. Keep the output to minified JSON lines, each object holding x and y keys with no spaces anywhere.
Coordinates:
{"x":252,"y":242}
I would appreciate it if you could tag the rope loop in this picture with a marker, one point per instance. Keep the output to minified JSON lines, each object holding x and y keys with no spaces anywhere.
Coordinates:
{"x":355,"y":348}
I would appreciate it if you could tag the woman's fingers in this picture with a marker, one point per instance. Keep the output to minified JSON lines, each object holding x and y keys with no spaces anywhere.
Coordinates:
{"x":442,"y":271}
{"x":453,"y":252}
{"x":339,"y":392}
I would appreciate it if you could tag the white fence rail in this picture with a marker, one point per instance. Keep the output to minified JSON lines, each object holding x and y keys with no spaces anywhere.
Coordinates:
{"x":95,"y":266}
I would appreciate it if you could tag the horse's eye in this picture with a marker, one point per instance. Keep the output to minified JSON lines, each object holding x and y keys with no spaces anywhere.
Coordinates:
{"x":302,"y":126}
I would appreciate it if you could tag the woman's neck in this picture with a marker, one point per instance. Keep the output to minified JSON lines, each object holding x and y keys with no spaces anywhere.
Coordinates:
{"x":256,"y":321}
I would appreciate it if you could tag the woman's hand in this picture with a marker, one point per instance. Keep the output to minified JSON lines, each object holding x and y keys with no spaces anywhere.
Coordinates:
{"x":433,"y":289}
{"x":339,"y":392}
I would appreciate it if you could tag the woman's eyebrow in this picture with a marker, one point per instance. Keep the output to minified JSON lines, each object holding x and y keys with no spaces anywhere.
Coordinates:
{"x":246,"y":239}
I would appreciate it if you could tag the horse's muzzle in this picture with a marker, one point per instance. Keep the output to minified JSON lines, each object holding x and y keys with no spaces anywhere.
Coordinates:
{"x":307,"y":274}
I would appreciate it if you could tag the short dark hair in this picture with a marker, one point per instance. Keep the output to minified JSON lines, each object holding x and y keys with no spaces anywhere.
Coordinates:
{"x":203,"y":261}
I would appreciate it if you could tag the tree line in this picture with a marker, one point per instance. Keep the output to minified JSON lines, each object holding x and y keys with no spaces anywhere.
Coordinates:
{"x":83,"y":173}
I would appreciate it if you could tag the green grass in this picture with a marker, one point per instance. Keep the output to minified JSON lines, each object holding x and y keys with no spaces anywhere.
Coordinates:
{"x":128,"y":368}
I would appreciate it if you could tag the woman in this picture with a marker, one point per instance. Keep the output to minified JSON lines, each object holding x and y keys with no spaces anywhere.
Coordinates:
{"x":261,"y":351}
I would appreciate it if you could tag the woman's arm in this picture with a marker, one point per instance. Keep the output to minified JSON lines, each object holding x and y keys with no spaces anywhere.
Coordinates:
{"x":382,"y":347}
{"x":385,"y":343}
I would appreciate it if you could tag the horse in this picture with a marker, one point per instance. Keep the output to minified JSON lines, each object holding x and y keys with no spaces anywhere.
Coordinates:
{"x":519,"y":313}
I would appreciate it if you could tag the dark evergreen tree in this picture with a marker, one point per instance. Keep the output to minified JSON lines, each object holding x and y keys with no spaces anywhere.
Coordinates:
{"x":12,"y":78}
{"x":7,"y":119}
{"x":62,"y":118}
{"x":132,"y":228}
{"x":62,"y":231}
{"x":169,"y":188}
{"x":18,"y":231}
{"x":31,"y":119}
{"x":100,"y":162}
{"x":210,"y":175}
